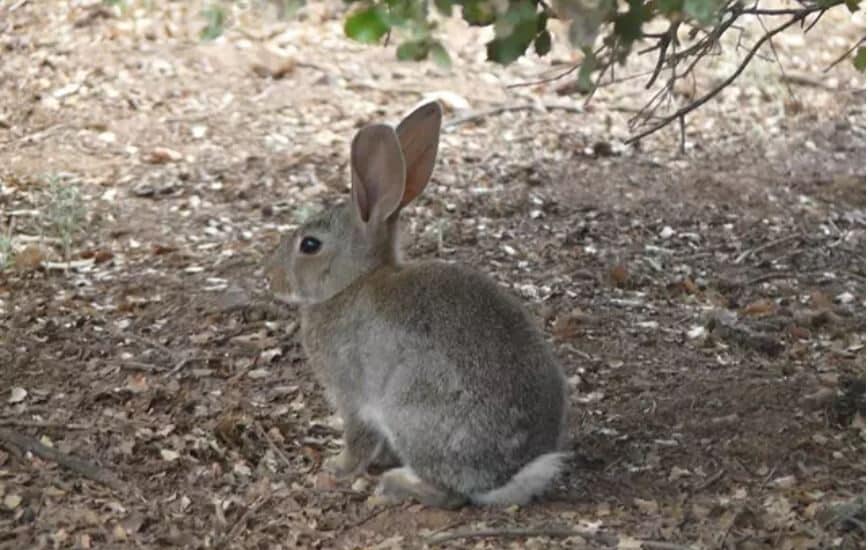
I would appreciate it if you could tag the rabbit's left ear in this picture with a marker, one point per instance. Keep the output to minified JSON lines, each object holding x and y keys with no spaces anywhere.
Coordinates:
{"x":378,"y":174}
{"x":419,"y":134}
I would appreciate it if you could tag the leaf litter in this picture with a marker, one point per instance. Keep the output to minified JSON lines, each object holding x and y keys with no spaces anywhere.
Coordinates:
{"x":708,"y":309}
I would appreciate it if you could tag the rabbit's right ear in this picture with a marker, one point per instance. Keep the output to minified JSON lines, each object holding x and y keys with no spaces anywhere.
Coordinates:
{"x":378,"y":173}
{"x":419,"y":133}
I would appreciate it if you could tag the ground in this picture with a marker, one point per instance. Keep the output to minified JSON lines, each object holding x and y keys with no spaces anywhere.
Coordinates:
{"x":707,"y":306}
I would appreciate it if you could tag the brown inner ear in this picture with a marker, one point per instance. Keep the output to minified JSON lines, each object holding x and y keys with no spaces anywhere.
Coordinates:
{"x":419,"y":170}
{"x":360,"y":196}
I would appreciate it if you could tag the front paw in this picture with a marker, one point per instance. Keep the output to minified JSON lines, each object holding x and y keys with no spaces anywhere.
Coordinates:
{"x":340,"y":465}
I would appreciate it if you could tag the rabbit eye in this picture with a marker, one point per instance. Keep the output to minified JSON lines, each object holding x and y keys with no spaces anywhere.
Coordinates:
{"x":309,"y":245}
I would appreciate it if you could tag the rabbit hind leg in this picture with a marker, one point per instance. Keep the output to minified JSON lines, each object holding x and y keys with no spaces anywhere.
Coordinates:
{"x":400,"y":484}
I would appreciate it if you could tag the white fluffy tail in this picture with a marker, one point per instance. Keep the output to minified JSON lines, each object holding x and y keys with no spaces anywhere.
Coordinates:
{"x":531,"y":480}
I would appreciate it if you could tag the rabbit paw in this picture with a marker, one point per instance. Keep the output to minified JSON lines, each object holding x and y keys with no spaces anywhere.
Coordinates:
{"x":340,"y":465}
{"x":402,"y":483}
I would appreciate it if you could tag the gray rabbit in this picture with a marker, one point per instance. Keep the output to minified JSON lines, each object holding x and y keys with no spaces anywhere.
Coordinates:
{"x":433,"y":367}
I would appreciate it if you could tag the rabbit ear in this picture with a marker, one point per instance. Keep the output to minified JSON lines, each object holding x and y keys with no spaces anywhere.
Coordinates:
{"x":419,"y":133}
{"x":378,"y":173}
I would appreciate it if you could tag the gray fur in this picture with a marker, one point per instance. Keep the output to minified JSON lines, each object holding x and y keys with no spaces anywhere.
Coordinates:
{"x":430,"y":362}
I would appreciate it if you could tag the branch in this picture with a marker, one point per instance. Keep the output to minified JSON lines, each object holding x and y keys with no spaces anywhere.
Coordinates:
{"x":845,"y":54}
{"x":716,"y":90}
{"x":559,"y":532}
{"x":663,"y":44}
{"x":28,"y":445}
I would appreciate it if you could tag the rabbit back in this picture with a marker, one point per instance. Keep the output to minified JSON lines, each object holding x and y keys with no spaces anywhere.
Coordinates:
{"x":447,"y":366}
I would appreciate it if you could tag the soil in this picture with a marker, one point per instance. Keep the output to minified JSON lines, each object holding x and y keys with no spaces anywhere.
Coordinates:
{"x":707,"y":306}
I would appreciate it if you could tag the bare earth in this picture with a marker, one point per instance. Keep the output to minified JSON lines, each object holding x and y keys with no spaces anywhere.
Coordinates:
{"x":707,"y":307}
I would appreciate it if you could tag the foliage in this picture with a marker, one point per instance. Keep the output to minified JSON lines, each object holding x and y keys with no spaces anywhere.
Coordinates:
{"x":607,"y":31}
{"x":215,"y":17}
{"x":677,"y":33}
{"x":5,"y":251}
{"x":65,"y":212}
{"x":680,"y":34}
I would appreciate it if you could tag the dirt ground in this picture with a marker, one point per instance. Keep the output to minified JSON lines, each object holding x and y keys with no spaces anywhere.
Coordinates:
{"x":708,"y":307}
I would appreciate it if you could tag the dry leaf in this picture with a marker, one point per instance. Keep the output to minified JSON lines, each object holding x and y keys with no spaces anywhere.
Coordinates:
{"x":628,"y":543}
{"x":759,"y":308}
{"x":17,"y":395}
{"x":31,"y":257}
{"x":647,"y":506}
{"x":137,"y":383}
{"x":162,"y":155}
{"x":11,"y":502}
{"x":169,"y":455}
{"x":569,"y":325}
{"x":619,"y":275}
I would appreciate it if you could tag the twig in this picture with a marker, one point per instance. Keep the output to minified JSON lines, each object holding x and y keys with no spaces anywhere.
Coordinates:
{"x":729,"y":80}
{"x":710,"y":481}
{"x":147,"y":341}
{"x":662,"y":545}
{"x":558,"y":532}
{"x":377,"y":512}
{"x":555,"y":78}
{"x":77,"y":465}
{"x":844,"y":55}
{"x":41,"y":424}
{"x":138,"y":365}
{"x":240,"y":522}
{"x":771,"y":244}
{"x":473,"y":117}
{"x":769,"y":277}
{"x":277,"y":450}
{"x":663,"y":45}
{"x":178,"y":366}
{"x":777,"y":60}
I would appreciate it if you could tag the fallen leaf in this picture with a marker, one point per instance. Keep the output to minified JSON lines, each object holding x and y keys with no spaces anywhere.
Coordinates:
{"x":162,"y":155}
{"x":647,"y":506}
{"x":31,"y":257}
{"x":628,"y":543}
{"x":137,"y":383}
{"x":619,"y":275}
{"x":160,"y":249}
{"x":799,"y":333}
{"x":759,"y":308}
{"x":258,"y":373}
{"x":17,"y":395}
{"x":569,"y":325}
{"x":169,"y":455}
{"x":11,"y":502}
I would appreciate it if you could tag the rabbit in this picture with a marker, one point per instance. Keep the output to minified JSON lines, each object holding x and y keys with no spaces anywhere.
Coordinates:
{"x":434,"y":368}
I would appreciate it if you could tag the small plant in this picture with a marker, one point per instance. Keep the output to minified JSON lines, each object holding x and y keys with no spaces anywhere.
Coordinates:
{"x":65,"y":212}
{"x":5,"y":252}
{"x":215,"y":21}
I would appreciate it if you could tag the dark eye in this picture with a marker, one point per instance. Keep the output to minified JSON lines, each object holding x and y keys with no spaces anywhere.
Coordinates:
{"x":309,"y":245}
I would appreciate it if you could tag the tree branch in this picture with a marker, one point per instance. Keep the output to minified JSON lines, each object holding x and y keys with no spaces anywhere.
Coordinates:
{"x":717,"y":89}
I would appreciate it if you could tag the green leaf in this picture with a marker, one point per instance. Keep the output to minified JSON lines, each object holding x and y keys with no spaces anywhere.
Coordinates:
{"x":514,"y":31}
{"x":478,"y":13}
{"x":543,"y":43}
{"x":444,"y":7}
{"x":216,"y":19}
{"x":367,"y":25}
{"x":667,"y":7}
{"x":413,"y":50}
{"x":702,"y":11}
{"x":542,"y":21}
{"x":628,"y":26}
{"x":859,"y":60}
{"x":440,"y":55}
{"x":853,"y":5}
{"x":589,"y":63}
